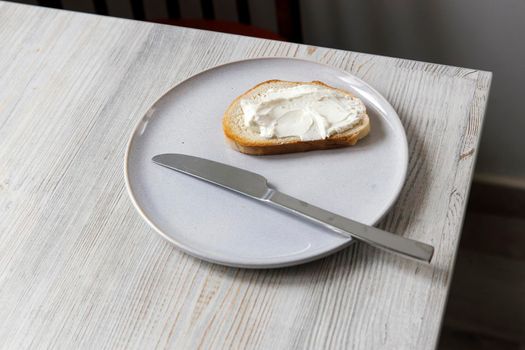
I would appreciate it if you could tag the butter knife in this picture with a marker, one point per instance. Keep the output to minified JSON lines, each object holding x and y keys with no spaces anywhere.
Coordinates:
{"x":256,"y":186}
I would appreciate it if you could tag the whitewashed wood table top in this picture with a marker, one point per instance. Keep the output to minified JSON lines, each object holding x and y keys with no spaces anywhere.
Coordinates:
{"x":79,"y":268}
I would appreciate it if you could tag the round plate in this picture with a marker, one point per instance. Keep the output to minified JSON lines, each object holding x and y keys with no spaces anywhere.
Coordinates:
{"x":214,"y":224}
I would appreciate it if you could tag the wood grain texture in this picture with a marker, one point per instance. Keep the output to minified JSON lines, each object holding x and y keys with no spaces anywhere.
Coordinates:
{"x":80,"y":269}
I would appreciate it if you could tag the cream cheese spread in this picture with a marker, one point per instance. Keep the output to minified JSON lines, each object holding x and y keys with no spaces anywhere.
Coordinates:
{"x":310,"y":112}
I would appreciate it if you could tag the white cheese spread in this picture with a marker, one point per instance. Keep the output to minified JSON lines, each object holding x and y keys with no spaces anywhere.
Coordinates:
{"x":310,"y":112}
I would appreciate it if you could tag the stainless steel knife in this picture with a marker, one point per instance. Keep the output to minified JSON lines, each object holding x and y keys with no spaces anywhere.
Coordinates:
{"x":256,"y":186}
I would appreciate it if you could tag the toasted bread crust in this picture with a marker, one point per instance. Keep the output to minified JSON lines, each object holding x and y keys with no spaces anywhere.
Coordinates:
{"x":260,"y":146}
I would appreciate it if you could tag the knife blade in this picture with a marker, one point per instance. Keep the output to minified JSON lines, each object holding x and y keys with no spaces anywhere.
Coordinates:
{"x":256,"y":186}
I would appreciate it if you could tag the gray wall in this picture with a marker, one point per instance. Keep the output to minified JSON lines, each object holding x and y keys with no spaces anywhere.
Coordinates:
{"x":483,"y":34}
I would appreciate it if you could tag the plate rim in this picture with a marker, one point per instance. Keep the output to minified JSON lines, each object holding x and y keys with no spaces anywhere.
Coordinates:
{"x":263,"y":265}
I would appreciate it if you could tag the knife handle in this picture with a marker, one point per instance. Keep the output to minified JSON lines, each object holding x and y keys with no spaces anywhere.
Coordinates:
{"x":371,"y":235}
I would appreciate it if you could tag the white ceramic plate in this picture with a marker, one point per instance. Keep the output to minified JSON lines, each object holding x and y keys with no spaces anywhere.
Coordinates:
{"x":359,"y":182}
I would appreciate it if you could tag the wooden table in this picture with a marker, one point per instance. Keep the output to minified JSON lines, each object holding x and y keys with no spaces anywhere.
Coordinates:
{"x":80,"y":268}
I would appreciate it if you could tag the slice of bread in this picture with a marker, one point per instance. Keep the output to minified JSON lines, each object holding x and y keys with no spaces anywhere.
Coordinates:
{"x":246,"y":141}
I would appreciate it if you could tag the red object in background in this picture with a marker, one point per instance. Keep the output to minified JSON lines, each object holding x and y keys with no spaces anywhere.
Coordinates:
{"x":223,"y":26}
{"x":287,"y":13}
